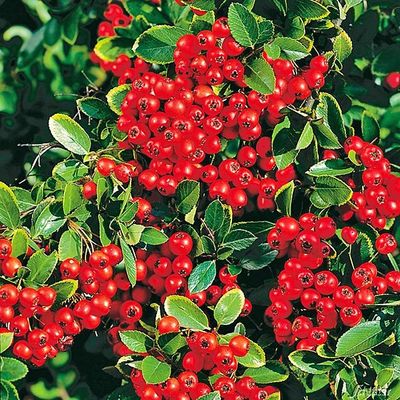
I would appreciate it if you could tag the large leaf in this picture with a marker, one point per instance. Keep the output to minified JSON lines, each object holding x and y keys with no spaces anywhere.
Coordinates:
{"x":260,"y":76}
{"x":72,"y":198}
{"x":273,"y":371}
{"x":12,"y":369}
{"x":70,"y":171}
{"x":385,"y":62}
{"x":202,"y":276}
{"x":229,"y":307}
{"x":70,"y":134}
{"x":136,"y":341}
{"x":363,"y":337}
{"x":155,"y":371}
{"x":310,"y":362}
{"x":170,"y":343}
{"x":330,"y":191}
{"x":214,"y":215}
{"x":41,"y":267}
{"x":308,"y":9}
{"x":187,"y":195}
{"x":157,"y":44}
{"x":369,"y":127}
{"x":259,"y":257}
{"x":284,"y":142}
{"x":243,"y":25}
{"x":8,"y":391}
{"x":9,"y":212}
{"x":186,"y":312}
{"x":145,"y":9}
{"x":153,"y":236}
{"x":19,"y":243}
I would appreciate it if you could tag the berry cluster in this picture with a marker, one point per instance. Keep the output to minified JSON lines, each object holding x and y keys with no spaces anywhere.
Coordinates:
{"x":377,"y":199}
{"x":206,"y":356}
{"x":304,"y":238}
{"x":392,"y":80}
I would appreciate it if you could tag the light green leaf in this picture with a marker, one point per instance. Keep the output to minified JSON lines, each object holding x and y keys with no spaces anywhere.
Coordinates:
{"x":330,"y":191}
{"x":19,"y":243}
{"x":273,"y":371}
{"x":229,"y":307}
{"x":243,"y":25}
{"x":310,"y":362}
{"x":306,"y":137}
{"x":8,"y":391}
{"x":72,"y":198}
{"x":202,"y":276}
{"x":12,"y":369}
{"x":65,"y":289}
{"x":260,"y":76}
{"x":6,"y":340}
{"x":170,"y":343}
{"x":284,"y":198}
{"x":153,"y":236}
{"x":9,"y":212}
{"x":308,"y":9}
{"x":147,"y":10}
{"x":291,"y":49}
{"x":70,"y":246}
{"x":70,"y":171}
{"x":109,"y":48}
{"x":333,"y":167}
{"x":211,"y":396}
{"x":186,"y":312}
{"x":70,"y":134}
{"x":41,"y":267}
{"x":116,"y":96}
{"x":136,"y":341}
{"x":94,"y":108}
{"x":129,"y":261}
{"x":342,"y":46}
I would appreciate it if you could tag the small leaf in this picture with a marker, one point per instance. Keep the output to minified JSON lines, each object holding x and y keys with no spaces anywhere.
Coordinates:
{"x":284,"y":142}
{"x":291,"y":49}
{"x":70,"y":134}
{"x":8,"y":391}
{"x":306,"y":137}
{"x":308,"y":9}
{"x":47,"y":218}
{"x":260,"y":76}
{"x":116,"y":96}
{"x":211,"y":396}
{"x":342,"y":46}
{"x":6,"y":340}
{"x":334,"y":167}
{"x":70,"y":171}
{"x":310,"y":362}
{"x":72,"y":198}
{"x":157,"y":44}
{"x":110,"y":48}
{"x":9,"y":212}
{"x":12,"y":369}
{"x":214,"y":215}
{"x":272,"y":372}
{"x":155,"y":371}
{"x":255,"y":227}
{"x":186,"y":312}
{"x":153,"y":236}
{"x":266,"y":29}
{"x":147,"y":10}
{"x":202,"y":276}
{"x":94,"y":108}
{"x":65,"y":289}
{"x":369,"y":127}
{"x":229,"y":307}
{"x":170,"y":343}
{"x":129,"y":262}
{"x":363,"y":337}
{"x":19,"y":243}
{"x":330,"y":191}
{"x":284,"y":198}
{"x":243,"y":25}
{"x":203,"y":5}
{"x":70,"y":246}
{"x":41,"y":267}
{"x":187,"y":195}
{"x":136,"y":341}
{"x":259,"y":257}
{"x":239,"y":239}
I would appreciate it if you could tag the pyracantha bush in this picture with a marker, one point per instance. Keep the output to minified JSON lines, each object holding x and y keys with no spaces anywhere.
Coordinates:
{"x":219,"y":220}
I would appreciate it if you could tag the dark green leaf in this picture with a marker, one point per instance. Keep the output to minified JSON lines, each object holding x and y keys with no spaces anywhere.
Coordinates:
{"x":147,"y":10}
{"x":239,"y":239}
{"x":284,"y":142}
{"x":129,"y":261}
{"x":243,"y":25}
{"x":8,"y":391}
{"x":12,"y":369}
{"x":214,"y":215}
{"x":211,"y":396}
{"x":369,"y":127}
{"x":116,"y":96}
{"x":202,"y":276}
{"x":70,"y":26}
{"x":202,"y":22}
{"x":259,"y":257}
{"x":308,"y":9}
{"x":330,"y":191}
{"x":187,"y":195}
{"x":260,"y":76}
{"x":255,"y":227}
{"x":47,"y":218}
{"x":310,"y":362}
{"x":170,"y":343}
{"x":72,"y":198}
{"x":94,"y":108}
{"x":291,"y":49}
{"x":266,"y":29}
{"x":385,"y":62}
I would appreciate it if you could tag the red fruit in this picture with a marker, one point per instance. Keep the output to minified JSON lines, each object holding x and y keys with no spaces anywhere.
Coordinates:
{"x":5,"y":248}
{"x":325,"y":282}
{"x":99,"y":259}
{"x":105,"y":166}
{"x":47,"y":296}
{"x":301,"y":327}
{"x":131,"y":311}
{"x":350,"y":315}
{"x":392,"y":80}
{"x":113,"y":252}
{"x":364,"y":297}
{"x":325,"y":227}
{"x":349,"y":234}
{"x":240,"y":345}
{"x":70,"y":268}
{"x":180,"y":243}
{"x":386,"y":243}
{"x":8,"y":295}
{"x":318,"y":336}
{"x":10,"y":266}
{"x":21,"y":349}
{"x":343,"y":296}
{"x":89,"y":190}
{"x":319,"y":63}
{"x":168,"y":324}
{"x":192,"y":362}
{"x":288,"y":228}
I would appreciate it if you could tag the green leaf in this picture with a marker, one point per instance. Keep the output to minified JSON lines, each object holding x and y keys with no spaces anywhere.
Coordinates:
{"x":202,"y":276}
{"x":155,"y":371}
{"x":72,"y":198}
{"x":259,"y":257}
{"x":342,"y":46}
{"x":306,"y":137}
{"x":284,"y":142}
{"x":330,"y":111}
{"x":308,"y":9}
{"x":385,"y":62}
{"x":284,"y":198}
{"x":295,"y":28}
{"x":9,"y":212}
{"x":41,"y":267}
{"x":24,"y":198}
{"x":202,"y":22}
{"x":70,"y":246}
{"x":211,"y":396}
{"x":363,"y":337}
{"x":291,"y":49}
{"x":147,"y":10}
{"x":187,"y":195}
{"x":157,"y":44}
{"x":70,"y":26}
{"x":136,"y":341}
{"x":70,"y":171}
{"x":239,"y":239}
{"x":186,"y":312}
{"x":260,"y":76}
{"x":110,"y":48}
{"x":65,"y":289}
{"x":326,"y":138}
{"x":170,"y":343}
{"x":8,"y":391}
{"x":197,"y":243}
{"x":214,"y":215}
{"x":333,"y":167}
{"x":255,"y":227}
{"x":116,"y":96}
{"x":266,"y":29}
{"x":153,"y":236}
{"x":94,"y":108}
{"x":70,"y":134}
{"x":204,"y":5}
{"x":6,"y":340}
{"x":12,"y":369}
{"x":369,"y":127}
{"x":47,"y":218}
{"x":133,"y":234}
{"x":273,"y":371}
{"x":330,"y":191}
{"x":229,"y":307}
{"x":310,"y":362}
{"x":243,"y":25}
{"x":226,"y":224}
{"x":273,"y":50}
{"x":129,"y":262}
{"x":19,"y":243}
